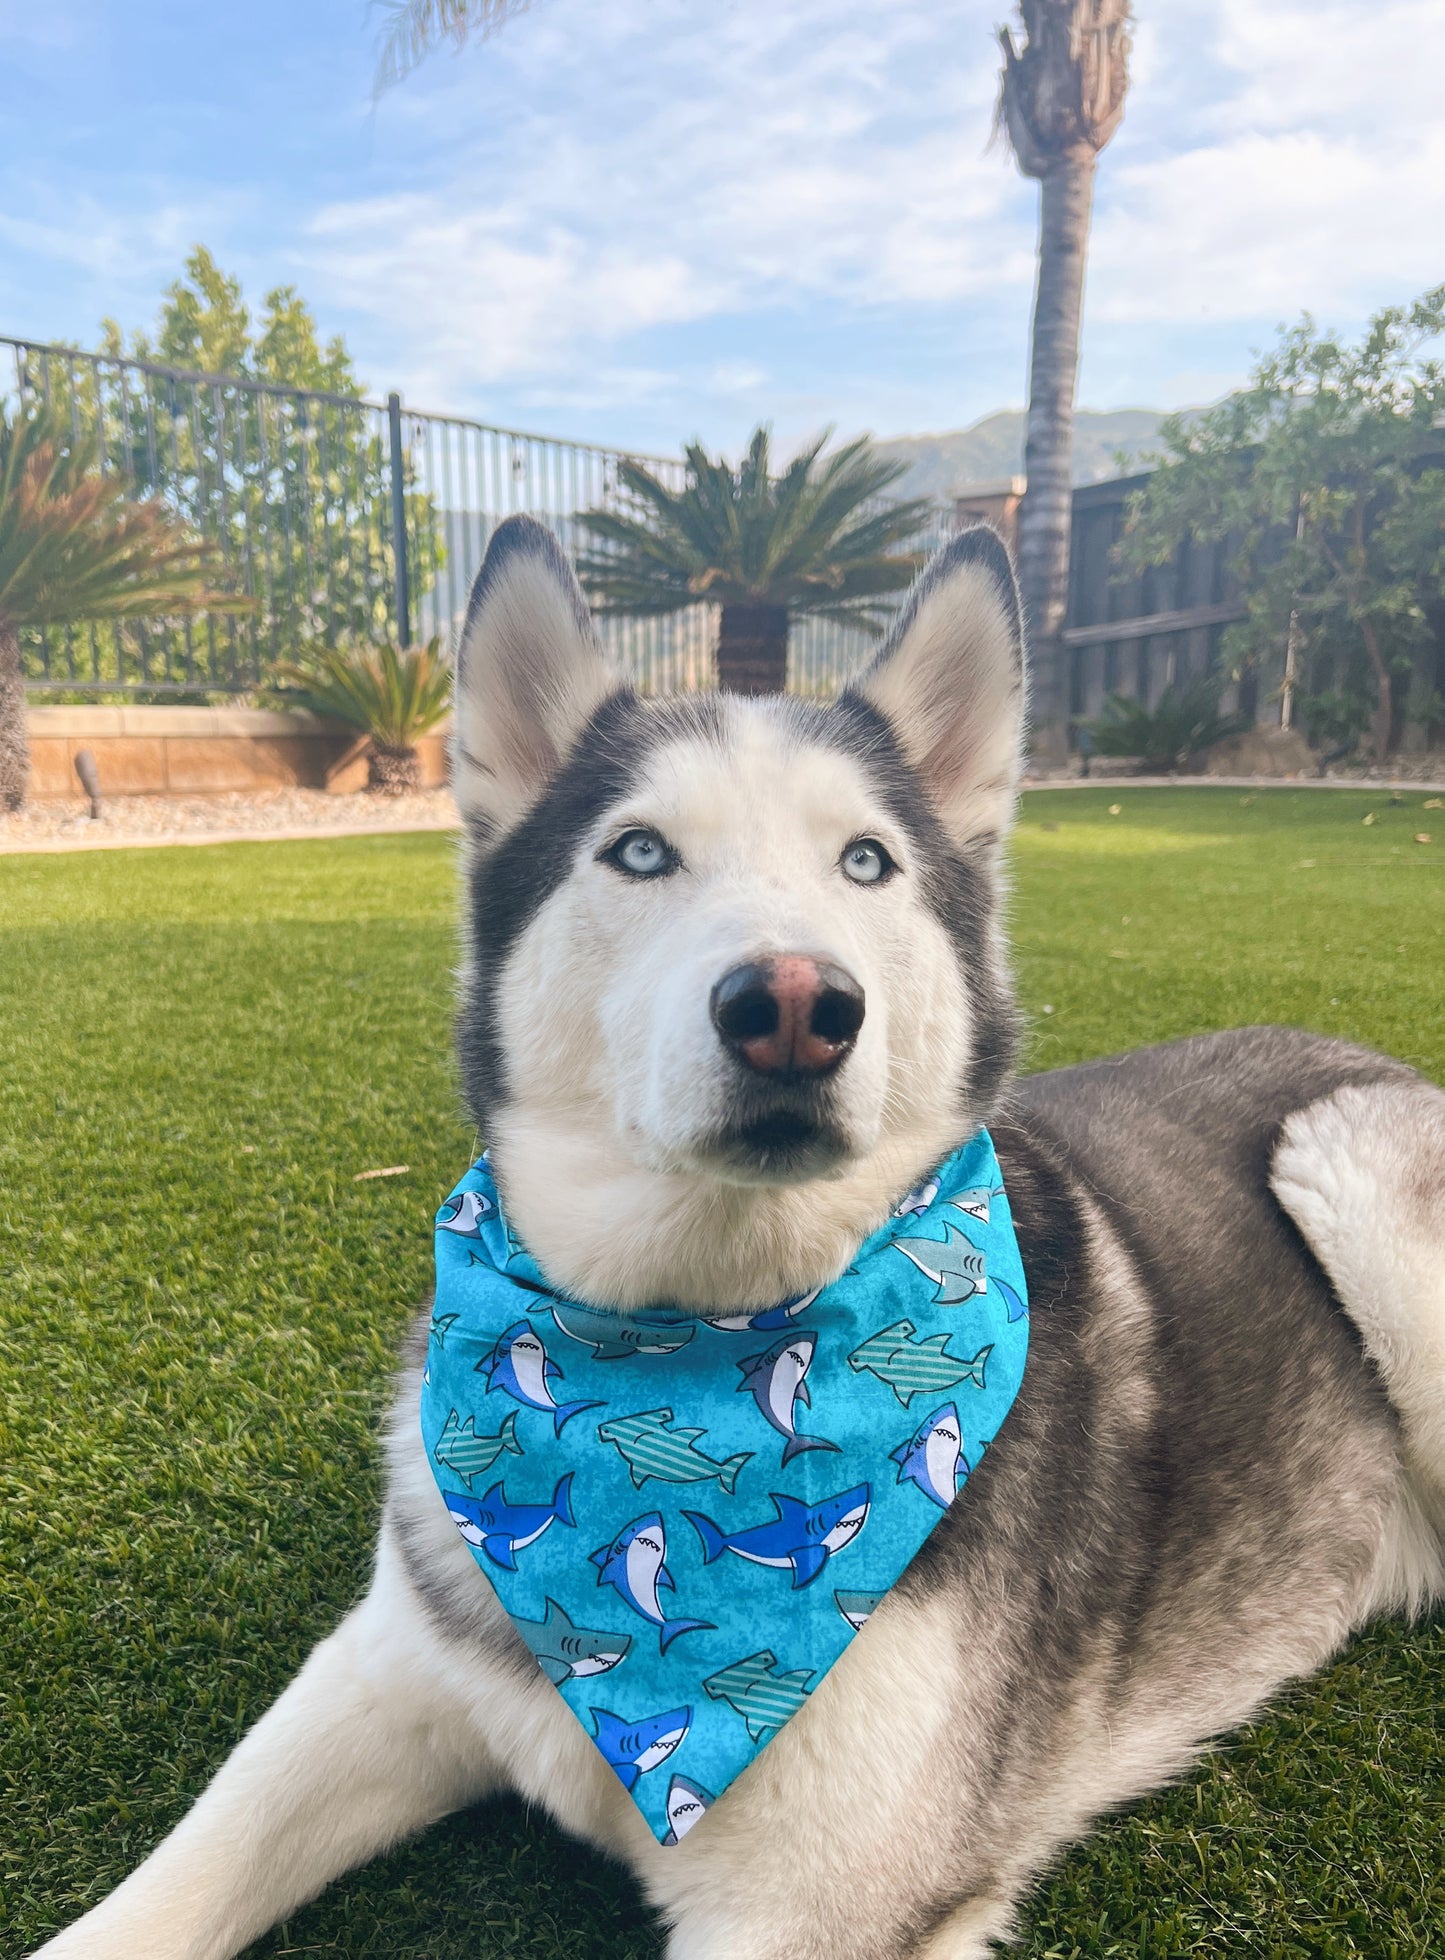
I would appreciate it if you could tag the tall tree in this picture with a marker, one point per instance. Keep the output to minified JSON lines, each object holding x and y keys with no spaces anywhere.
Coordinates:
{"x":1324,"y":475}
{"x":1061,"y":99}
{"x":763,"y":548}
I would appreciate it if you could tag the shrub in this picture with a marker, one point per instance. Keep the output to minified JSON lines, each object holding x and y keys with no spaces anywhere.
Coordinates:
{"x":393,"y":695}
{"x":1182,"y":723}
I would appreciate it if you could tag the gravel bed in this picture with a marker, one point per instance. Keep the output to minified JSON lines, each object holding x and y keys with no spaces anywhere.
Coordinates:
{"x":142,"y":819}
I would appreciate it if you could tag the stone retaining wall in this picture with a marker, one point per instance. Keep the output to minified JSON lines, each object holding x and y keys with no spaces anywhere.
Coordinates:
{"x":203,"y":751}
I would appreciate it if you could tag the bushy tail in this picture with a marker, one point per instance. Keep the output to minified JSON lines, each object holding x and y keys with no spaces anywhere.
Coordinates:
{"x":714,"y":1542}
{"x":797,"y":1444}
{"x":728,"y":1475}
{"x":565,"y":1411}
{"x":670,"y":1629}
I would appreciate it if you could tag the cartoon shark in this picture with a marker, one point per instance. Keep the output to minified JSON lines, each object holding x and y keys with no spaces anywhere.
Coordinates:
{"x":777,"y":1381}
{"x":464,"y":1213}
{"x":770,"y":1321}
{"x":633,"y":1748}
{"x":686,"y":1802}
{"x":612,"y":1336}
{"x":520,"y":1366}
{"x":801,"y":1538}
{"x":765,"y":1700}
{"x":978,"y":1202}
{"x":635,"y":1563}
{"x":1016,"y":1307}
{"x":571,"y":1653}
{"x":501,"y":1529}
{"x":463,"y":1450}
{"x":857,"y":1608}
{"x":441,"y":1325}
{"x":912,"y":1367}
{"x":650,"y":1448}
{"x":954,"y":1264}
{"x":933,"y":1456}
{"x":918,"y":1200}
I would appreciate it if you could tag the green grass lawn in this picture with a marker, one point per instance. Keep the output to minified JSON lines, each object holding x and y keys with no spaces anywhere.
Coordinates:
{"x":199,"y":1307}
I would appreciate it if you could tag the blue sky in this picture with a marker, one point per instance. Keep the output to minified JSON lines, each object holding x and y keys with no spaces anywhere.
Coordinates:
{"x":637,"y":220}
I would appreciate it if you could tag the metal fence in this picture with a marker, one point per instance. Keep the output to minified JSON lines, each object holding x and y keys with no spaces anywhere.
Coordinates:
{"x":336,"y":516}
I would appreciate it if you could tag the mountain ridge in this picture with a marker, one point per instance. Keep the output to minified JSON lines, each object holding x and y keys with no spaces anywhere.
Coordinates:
{"x":993,"y":448}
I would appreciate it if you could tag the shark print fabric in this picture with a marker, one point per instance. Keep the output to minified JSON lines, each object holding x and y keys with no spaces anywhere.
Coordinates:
{"x":708,"y":1509}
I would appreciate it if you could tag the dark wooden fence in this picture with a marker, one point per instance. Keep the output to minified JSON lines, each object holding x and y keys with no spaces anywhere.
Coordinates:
{"x":1137,"y":635}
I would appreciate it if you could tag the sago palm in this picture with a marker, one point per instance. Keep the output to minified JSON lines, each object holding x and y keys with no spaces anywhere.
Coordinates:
{"x":764,"y":548}
{"x":75,"y":549}
{"x":393,"y":695}
{"x":1062,"y":98}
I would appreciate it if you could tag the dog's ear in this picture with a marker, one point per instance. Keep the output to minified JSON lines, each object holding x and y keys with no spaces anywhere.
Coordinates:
{"x":530,"y":672}
{"x":950,"y":681}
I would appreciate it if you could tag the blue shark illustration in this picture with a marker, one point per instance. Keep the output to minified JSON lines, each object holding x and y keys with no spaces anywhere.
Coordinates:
{"x":501,"y":1529}
{"x":1016,"y":1307}
{"x":463,"y":1214}
{"x":633,"y":1748}
{"x":800,"y":1539}
{"x":521,"y":1367}
{"x":954,"y":1264}
{"x":911,"y":1367}
{"x":441,"y":1325}
{"x":612,"y":1336}
{"x":566,"y":1652}
{"x":651,"y":1447}
{"x":978,"y":1202}
{"x":918,"y":1200}
{"x":770,"y":1320}
{"x":636,"y":1564}
{"x":933,"y":1456}
{"x":686,"y":1802}
{"x":777,"y":1381}
{"x":463,"y":1450}
{"x":764,"y":1698}
{"x":858,"y":1608}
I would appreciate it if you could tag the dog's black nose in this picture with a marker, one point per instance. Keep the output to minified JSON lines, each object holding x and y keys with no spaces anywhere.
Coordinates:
{"x":788,"y":1016}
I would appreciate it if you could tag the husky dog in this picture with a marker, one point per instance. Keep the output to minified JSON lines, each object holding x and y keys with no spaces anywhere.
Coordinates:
{"x":736,"y":984}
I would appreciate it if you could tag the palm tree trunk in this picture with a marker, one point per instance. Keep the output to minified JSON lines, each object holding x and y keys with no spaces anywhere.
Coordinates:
{"x":1066,"y":192}
{"x":14,"y":739}
{"x":752,"y":649}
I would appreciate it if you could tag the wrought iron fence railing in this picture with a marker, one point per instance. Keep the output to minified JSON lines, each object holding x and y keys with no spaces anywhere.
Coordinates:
{"x":335,"y":515}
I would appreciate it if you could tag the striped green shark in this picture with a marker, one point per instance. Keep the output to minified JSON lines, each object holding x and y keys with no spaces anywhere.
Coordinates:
{"x":912,"y":1367}
{"x":650,"y":1447}
{"x":763,"y":1698}
{"x":460,"y":1448}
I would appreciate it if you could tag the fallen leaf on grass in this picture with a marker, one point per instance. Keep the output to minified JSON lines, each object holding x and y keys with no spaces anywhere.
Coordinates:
{"x":1433,"y":803}
{"x":1115,"y":808}
{"x":391,"y":1170}
{"x":1305,"y":864}
{"x":1422,"y":837}
{"x":1369,"y":819}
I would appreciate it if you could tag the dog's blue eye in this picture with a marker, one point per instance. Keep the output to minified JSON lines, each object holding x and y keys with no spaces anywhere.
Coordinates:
{"x":866,"y":862}
{"x":642,"y":854}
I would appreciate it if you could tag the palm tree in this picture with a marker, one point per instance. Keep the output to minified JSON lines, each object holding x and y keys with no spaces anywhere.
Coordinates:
{"x":414,"y":27}
{"x":74,"y":548}
{"x":1060,"y":101}
{"x":813,"y":539}
{"x":392,"y":696}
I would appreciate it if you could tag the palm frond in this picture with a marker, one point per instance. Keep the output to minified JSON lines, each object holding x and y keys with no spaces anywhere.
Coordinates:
{"x":393,"y":695}
{"x":414,"y":27}
{"x":74,"y":546}
{"x":813,"y":537}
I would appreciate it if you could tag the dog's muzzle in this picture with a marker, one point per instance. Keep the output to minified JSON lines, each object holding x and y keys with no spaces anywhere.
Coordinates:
{"x":791,"y":1019}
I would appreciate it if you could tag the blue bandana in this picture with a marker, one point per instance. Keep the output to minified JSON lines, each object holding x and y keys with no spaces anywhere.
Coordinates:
{"x":688,"y":1519}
